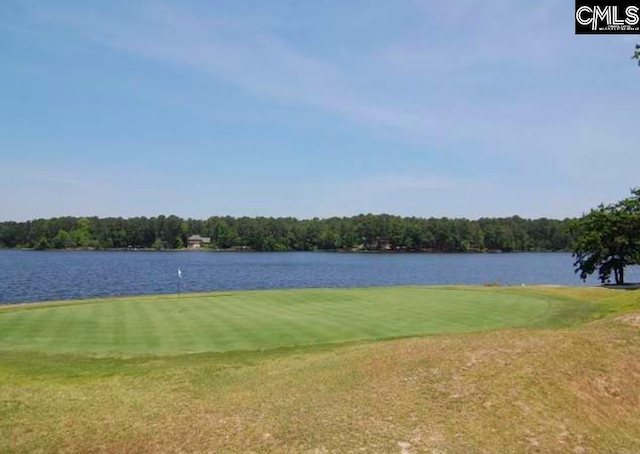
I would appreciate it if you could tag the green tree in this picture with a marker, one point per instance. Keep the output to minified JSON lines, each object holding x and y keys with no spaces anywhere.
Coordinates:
{"x":82,"y":234}
{"x":224,"y":235}
{"x":63,"y":240}
{"x":607,"y":239}
{"x":42,"y":244}
{"x":158,"y":244}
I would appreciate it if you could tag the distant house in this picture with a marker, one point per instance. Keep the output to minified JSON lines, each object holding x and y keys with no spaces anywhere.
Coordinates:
{"x":197,"y":241}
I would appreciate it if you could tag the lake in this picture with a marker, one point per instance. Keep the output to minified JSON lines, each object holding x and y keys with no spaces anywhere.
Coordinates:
{"x":59,"y":275}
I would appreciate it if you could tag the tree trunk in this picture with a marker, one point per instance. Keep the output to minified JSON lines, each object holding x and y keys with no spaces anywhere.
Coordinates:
{"x":619,"y":275}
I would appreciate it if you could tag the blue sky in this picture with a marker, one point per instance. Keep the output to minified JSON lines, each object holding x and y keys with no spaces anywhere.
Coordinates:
{"x":462,"y":108}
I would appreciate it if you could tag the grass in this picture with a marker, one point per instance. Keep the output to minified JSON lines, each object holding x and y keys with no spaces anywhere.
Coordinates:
{"x":258,"y":320}
{"x":510,"y":370}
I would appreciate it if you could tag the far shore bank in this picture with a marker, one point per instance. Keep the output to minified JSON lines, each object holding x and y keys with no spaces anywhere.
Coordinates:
{"x":346,"y":251}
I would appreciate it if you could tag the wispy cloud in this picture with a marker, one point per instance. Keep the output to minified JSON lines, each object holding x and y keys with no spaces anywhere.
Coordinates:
{"x":40,"y":176}
{"x":408,"y":182}
{"x":253,"y":59}
{"x":448,"y":65}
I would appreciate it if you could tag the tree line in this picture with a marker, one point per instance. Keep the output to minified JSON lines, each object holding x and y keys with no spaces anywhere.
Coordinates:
{"x":364,"y":232}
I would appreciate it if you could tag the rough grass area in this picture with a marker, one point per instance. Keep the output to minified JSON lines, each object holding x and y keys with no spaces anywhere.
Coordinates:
{"x":570,"y":382}
{"x":259,"y":320}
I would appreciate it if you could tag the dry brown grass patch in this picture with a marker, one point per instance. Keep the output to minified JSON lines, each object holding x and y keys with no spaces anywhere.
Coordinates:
{"x":509,"y":391}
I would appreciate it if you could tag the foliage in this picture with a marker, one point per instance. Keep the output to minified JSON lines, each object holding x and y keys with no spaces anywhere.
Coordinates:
{"x":366,"y":232}
{"x":636,"y":54}
{"x":607,"y":239}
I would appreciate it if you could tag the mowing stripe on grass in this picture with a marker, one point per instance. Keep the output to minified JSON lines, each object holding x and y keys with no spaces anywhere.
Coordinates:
{"x":260,"y":319}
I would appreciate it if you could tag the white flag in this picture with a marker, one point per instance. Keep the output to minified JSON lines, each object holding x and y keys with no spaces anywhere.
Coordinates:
{"x":179,"y":273}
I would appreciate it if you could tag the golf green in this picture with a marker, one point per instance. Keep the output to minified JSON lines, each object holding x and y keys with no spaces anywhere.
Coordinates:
{"x":255,"y":320}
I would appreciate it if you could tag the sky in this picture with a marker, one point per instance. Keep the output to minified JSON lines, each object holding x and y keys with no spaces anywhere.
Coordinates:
{"x":424,"y":108}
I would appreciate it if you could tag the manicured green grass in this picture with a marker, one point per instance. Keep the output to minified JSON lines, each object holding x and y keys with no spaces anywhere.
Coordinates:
{"x":261,"y":320}
{"x":91,"y":376}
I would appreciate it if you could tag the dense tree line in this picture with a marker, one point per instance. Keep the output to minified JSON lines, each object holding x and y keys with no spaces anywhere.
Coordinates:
{"x":363,"y":232}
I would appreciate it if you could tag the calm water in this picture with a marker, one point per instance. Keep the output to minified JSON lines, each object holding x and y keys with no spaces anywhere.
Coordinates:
{"x":36,"y":276}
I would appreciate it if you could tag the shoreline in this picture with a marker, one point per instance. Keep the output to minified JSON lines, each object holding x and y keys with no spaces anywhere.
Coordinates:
{"x":337,"y":251}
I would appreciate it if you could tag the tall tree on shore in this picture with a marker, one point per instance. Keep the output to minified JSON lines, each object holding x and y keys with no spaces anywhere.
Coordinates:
{"x":607,"y":239}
